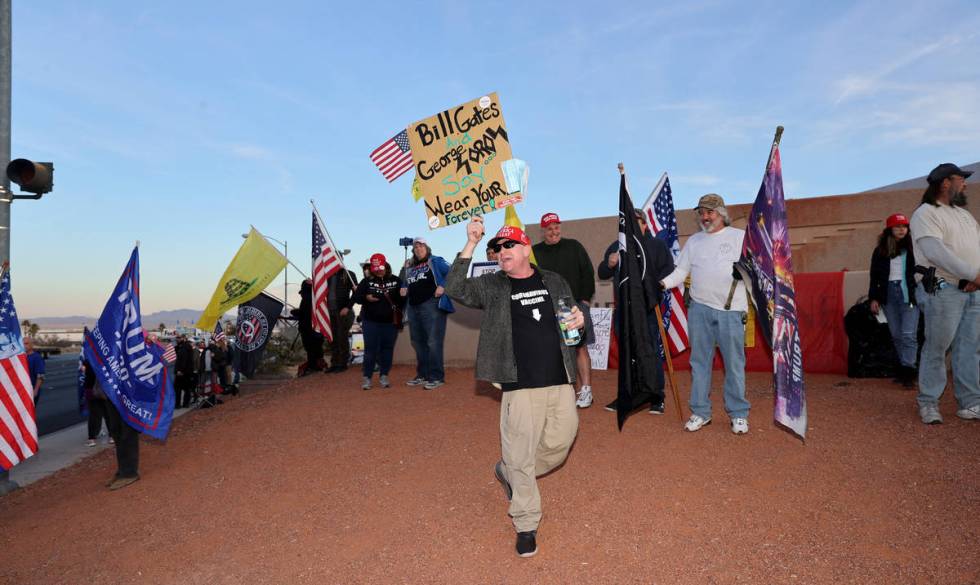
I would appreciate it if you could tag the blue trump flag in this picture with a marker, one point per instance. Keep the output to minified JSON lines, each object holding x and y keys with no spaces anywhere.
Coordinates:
{"x":131,"y":371}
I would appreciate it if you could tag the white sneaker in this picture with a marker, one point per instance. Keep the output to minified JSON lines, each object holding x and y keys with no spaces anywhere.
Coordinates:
{"x":740,"y":426}
{"x":584,"y":397}
{"x":695,"y":423}
{"x":972,"y":413}
{"x":930,"y":414}
{"x":365,"y":383}
{"x":383,"y":380}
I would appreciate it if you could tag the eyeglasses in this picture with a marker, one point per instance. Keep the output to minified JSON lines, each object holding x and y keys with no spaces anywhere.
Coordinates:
{"x":508,"y":244}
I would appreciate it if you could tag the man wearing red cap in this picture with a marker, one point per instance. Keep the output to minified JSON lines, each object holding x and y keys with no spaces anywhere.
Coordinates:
{"x":947,"y":237}
{"x":568,"y":258}
{"x":522,"y":352}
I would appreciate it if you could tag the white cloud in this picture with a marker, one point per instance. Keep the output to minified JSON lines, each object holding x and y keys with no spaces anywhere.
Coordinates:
{"x":250,"y":152}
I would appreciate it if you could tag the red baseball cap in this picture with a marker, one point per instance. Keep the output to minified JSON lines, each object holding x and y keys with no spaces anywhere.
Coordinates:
{"x":378,"y":262}
{"x":896,"y":219}
{"x":509,"y":232}
{"x":548,"y":219}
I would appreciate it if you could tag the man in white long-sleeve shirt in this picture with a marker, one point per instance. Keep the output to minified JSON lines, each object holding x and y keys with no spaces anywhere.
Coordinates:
{"x":708,"y":257}
{"x":947,"y":237}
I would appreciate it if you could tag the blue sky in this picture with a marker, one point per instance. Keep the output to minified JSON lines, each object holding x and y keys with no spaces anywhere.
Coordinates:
{"x":179,"y":124}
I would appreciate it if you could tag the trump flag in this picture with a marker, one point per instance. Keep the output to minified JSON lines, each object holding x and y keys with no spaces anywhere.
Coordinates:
{"x":130,"y":369}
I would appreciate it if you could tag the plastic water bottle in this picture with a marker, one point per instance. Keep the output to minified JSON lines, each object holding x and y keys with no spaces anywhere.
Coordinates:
{"x":570,"y":336}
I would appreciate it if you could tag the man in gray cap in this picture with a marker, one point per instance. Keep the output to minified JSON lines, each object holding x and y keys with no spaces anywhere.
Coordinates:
{"x":947,"y":237}
{"x":707,"y":257}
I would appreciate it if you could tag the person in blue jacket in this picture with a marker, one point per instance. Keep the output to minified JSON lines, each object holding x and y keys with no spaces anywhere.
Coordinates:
{"x":422,"y":282}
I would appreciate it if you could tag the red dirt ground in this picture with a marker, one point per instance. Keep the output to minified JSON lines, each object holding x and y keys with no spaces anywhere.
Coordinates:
{"x":316,"y":481}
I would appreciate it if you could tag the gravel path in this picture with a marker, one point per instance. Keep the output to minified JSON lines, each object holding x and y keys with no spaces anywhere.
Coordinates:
{"x":316,"y":481}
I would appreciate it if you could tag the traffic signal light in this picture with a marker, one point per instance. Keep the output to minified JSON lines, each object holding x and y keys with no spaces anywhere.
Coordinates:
{"x":33,"y":177}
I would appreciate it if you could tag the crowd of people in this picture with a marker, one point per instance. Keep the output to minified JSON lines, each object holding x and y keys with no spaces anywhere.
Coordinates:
{"x":544,"y":373}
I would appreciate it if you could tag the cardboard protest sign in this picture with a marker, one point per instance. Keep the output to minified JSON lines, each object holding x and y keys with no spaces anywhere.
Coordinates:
{"x":602,"y":328}
{"x":458,"y":155}
{"x":481,"y":268}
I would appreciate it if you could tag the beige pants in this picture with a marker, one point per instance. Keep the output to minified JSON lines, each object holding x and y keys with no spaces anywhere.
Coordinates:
{"x":537,"y":428}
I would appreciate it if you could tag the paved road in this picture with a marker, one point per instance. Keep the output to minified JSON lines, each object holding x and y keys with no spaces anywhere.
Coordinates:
{"x":58,"y":406}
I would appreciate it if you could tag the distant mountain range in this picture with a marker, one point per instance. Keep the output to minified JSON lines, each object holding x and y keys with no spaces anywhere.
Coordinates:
{"x":173,"y":318}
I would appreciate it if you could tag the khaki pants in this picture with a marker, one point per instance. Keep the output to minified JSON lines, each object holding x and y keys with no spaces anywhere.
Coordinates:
{"x":537,"y":428}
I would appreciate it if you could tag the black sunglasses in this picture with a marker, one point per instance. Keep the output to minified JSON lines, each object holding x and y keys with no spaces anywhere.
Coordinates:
{"x":507,"y":244}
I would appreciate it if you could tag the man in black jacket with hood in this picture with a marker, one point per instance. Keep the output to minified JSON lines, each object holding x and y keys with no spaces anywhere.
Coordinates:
{"x":659,"y":263}
{"x":312,"y":341}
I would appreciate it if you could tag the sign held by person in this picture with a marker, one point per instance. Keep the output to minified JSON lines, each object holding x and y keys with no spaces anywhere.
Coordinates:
{"x":458,"y":155}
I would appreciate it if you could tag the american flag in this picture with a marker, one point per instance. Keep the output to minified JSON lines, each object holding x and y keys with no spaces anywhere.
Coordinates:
{"x":219,"y":332}
{"x":394,"y":157}
{"x":659,"y":210}
{"x":326,"y":263}
{"x":18,"y":430}
{"x":169,"y":353}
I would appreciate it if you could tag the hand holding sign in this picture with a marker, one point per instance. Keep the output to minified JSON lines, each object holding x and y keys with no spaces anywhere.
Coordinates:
{"x":475,"y":231}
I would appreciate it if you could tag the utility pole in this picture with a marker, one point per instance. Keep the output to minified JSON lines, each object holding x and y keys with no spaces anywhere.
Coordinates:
{"x":6,"y":485}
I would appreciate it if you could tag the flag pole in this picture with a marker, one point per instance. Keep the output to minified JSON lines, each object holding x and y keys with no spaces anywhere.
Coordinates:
{"x":329,"y":237}
{"x":670,"y":362}
{"x":775,"y":145}
{"x":772,"y":153}
{"x":284,"y":256}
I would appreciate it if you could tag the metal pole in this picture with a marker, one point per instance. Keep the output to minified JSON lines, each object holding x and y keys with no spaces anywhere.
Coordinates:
{"x":285,"y":276}
{"x":6,"y":485}
{"x":5,"y":92}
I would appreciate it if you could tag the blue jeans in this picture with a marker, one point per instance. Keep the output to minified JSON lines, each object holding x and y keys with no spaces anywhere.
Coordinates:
{"x":709,"y":328}
{"x":427,"y":326}
{"x":379,"y":346}
{"x":952,"y":319}
{"x":903,"y":322}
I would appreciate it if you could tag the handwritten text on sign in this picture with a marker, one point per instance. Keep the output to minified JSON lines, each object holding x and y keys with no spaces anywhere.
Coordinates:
{"x":457,"y":155}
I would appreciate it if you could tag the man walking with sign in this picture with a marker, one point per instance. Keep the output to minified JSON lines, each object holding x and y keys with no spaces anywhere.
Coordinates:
{"x":523,"y":350}
{"x":708,"y":257}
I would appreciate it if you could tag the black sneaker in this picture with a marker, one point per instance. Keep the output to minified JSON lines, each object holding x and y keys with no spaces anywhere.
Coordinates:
{"x":611,"y":407}
{"x":527,"y":546}
{"x":498,"y":472}
{"x":657,"y":408}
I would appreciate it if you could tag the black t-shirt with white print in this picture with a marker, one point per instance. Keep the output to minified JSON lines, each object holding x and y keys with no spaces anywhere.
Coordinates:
{"x":537,"y":343}
{"x":421,"y":283}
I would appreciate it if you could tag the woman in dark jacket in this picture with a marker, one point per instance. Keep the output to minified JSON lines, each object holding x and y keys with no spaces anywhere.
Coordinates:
{"x":893,"y":289}
{"x":379,"y":300}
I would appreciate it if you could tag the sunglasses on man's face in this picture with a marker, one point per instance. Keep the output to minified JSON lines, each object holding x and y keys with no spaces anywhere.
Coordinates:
{"x":507,"y":244}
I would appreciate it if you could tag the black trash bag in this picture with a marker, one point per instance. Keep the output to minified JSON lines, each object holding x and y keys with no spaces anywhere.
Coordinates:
{"x":870,"y":352}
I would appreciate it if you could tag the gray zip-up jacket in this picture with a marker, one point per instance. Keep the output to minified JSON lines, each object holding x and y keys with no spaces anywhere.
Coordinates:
{"x":495,"y":360}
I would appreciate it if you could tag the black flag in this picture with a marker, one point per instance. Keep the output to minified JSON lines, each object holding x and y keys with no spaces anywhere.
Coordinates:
{"x":637,"y":297}
{"x":256,"y":320}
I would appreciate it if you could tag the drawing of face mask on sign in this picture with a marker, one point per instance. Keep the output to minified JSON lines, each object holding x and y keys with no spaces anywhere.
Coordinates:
{"x":515,"y":175}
